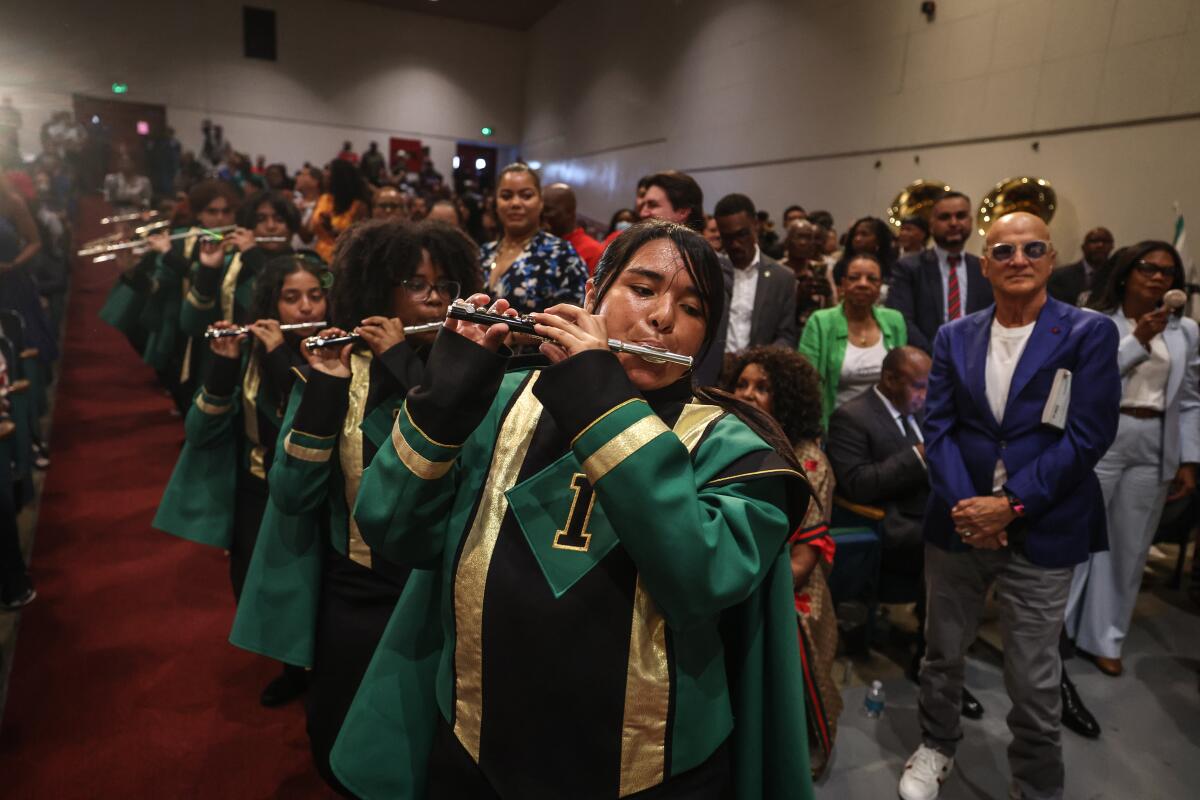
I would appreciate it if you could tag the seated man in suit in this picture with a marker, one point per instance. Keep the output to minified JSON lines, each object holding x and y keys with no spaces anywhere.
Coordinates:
{"x":943,"y":283}
{"x":1015,"y":502}
{"x":762,"y":306}
{"x":878,"y":457}
{"x":1067,"y":284}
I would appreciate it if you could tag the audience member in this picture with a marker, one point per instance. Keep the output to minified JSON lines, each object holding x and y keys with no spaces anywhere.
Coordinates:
{"x":558,"y":210}
{"x":621,"y":219}
{"x":781,"y":383}
{"x":531,"y":268}
{"x":762,"y":308}
{"x":1074,"y":282}
{"x":388,"y":202}
{"x":373,"y":167}
{"x":16,"y":587}
{"x":847,"y":343}
{"x":942,"y":284}
{"x":711,"y":233}
{"x":912,"y":235}
{"x":768,"y":238}
{"x":793,"y":213}
{"x":446,"y":211}
{"x":1015,"y":501}
{"x":673,"y":196}
{"x":418,"y":208}
{"x":1157,"y":448}
{"x":347,"y":154}
{"x":344,"y":204}
{"x":872,"y":236}
{"x":126,"y":188}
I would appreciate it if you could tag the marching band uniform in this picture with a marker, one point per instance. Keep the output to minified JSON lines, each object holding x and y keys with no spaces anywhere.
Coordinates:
{"x":316,"y":594}
{"x":604,"y":591}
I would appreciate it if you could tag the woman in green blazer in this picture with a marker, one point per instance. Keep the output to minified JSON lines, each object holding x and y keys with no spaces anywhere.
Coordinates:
{"x":847,"y":343}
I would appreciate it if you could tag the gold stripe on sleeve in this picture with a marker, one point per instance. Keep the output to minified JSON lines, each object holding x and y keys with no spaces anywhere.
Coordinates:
{"x":211,"y":408}
{"x":417,"y":464}
{"x":303,"y":453}
{"x":196,"y":301}
{"x":622,"y":446}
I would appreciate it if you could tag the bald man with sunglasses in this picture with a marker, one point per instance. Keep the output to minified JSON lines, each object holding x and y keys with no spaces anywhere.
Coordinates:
{"x":1015,"y":502}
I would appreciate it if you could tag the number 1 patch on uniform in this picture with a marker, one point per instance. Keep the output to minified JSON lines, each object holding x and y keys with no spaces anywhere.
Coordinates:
{"x":564,"y":525}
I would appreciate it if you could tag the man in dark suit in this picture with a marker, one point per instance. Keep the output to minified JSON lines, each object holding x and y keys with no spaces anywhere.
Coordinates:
{"x":878,"y":456}
{"x":1088,"y":273}
{"x":762,"y":292}
{"x":943,"y":283}
{"x":1015,"y":503}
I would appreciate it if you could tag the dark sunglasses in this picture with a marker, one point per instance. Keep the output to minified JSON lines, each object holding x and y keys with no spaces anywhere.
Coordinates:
{"x":1005,"y":251}
{"x":1149,"y":270}
{"x":423,"y":289}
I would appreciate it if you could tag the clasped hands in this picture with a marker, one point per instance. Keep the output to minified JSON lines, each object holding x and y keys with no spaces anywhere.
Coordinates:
{"x":981,"y":521}
{"x":569,"y":329}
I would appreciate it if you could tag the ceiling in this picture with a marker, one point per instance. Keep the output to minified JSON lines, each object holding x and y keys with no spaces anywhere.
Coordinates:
{"x":516,"y":14}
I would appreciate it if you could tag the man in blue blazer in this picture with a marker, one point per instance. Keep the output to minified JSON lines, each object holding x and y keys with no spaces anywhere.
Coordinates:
{"x":943,"y":283}
{"x":1014,"y":500}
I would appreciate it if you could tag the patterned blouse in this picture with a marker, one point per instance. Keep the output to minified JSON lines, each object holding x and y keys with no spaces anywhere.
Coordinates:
{"x":549,"y":271}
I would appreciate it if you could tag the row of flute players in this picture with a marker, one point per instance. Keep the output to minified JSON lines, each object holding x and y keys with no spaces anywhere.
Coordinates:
{"x":549,"y":429}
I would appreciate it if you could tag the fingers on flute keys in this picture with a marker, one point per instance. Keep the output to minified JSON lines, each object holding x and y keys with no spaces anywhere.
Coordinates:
{"x":487,"y":336}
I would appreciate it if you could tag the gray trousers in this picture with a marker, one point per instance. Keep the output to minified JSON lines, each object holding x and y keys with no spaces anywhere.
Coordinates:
{"x":1106,"y":586}
{"x":1032,"y":600}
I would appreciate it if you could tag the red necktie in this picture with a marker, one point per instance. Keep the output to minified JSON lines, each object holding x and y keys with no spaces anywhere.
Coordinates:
{"x":953,"y":300}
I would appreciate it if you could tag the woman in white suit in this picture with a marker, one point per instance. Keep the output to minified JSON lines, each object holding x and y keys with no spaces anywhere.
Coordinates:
{"x":1154,"y":457}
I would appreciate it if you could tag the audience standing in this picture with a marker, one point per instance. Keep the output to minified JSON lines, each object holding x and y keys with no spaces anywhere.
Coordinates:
{"x":558,"y":210}
{"x":912,"y":235}
{"x":1074,"y":282}
{"x":344,"y":204}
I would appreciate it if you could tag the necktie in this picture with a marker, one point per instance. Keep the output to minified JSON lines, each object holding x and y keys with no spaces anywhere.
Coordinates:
{"x":910,"y":433}
{"x":953,"y":299}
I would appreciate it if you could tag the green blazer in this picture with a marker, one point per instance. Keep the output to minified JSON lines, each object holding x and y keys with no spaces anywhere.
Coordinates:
{"x":824,"y":345}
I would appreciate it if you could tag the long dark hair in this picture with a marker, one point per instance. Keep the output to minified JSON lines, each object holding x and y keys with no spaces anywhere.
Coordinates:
{"x":705,"y":271}
{"x":346,"y":185}
{"x":369,"y":259}
{"x":268,"y":285}
{"x":885,"y":248}
{"x":1112,"y":295}
{"x":247,"y":215}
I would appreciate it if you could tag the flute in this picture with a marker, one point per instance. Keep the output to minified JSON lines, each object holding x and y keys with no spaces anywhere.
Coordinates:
{"x":462,"y":310}
{"x":224,"y":333}
{"x":317,"y":343}
{"x":104,"y":249}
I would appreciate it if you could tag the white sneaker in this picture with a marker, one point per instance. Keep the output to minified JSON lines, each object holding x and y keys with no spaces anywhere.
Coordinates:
{"x":924,"y":773}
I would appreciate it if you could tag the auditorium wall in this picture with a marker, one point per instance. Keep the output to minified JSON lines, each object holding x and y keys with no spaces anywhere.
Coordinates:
{"x":840,"y":103}
{"x":345,"y":70}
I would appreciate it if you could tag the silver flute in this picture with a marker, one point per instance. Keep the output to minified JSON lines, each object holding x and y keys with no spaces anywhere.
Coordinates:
{"x":317,"y":343}
{"x":133,"y":244}
{"x":462,"y":310}
{"x":225,"y":333}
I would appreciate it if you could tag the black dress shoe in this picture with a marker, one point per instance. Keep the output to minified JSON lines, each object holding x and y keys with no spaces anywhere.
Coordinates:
{"x":284,"y":687}
{"x":1074,"y":715}
{"x":971,"y":708}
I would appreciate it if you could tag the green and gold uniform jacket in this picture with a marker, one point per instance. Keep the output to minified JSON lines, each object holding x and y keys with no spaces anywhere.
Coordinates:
{"x":588,"y":542}
{"x":223,"y":293}
{"x":330,"y":432}
{"x":166,"y":344}
{"x":230,"y":430}
{"x":126,"y":301}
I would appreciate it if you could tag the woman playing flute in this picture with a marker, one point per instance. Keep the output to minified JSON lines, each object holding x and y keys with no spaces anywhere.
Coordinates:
{"x":217,"y":494}
{"x":605,"y":543}
{"x":339,"y":592}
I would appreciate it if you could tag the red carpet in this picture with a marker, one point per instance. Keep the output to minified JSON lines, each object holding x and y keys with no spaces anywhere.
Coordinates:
{"x":124,"y":684}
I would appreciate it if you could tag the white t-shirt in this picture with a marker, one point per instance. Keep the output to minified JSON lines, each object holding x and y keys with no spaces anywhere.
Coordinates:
{"x":741,"y":306}
{"x":1004,"y":352}
{"x":860,"y":370}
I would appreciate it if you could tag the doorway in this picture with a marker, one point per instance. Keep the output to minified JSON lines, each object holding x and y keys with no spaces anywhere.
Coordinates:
{"x":474,"y":169}
{"x":117,"y":125}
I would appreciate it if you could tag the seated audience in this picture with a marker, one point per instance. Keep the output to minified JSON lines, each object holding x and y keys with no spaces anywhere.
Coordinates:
{"x":763,"y":305}
{"x":1073,"y":283}
{"x":780,"y":382}
{"x":388,"y":202}
{"x":813,"y":289}
{"x":847,"y":343}
{"x":942,"y":284}
{"x":558,"y":210}
{"x":527,"y":266}
{"x":1154,"y":457}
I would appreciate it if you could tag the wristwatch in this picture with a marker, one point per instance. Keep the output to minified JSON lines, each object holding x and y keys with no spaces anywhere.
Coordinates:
{"x":1015,"y":504}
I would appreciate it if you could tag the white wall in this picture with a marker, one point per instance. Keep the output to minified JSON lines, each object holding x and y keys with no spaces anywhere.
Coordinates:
{"x":707,"y":85}
{"x":345,"y":70}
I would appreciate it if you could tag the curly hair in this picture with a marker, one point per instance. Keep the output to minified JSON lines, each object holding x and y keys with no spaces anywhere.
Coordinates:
{"x":269,"y":283}
{"x":369,"y":259}
{"x":795,"y":388}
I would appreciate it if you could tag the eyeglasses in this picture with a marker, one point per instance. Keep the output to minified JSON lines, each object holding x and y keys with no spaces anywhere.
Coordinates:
{"x":1148,"y":270}
{"x":1005,"y":251}
{"x":423,"y":289}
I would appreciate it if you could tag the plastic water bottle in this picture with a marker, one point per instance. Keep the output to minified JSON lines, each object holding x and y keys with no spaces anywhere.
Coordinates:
{"x":873,"y":704}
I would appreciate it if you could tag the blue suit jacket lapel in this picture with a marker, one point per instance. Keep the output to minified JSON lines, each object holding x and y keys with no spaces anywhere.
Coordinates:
{"x":976,"y":344}
{"x":1050,"y":330}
